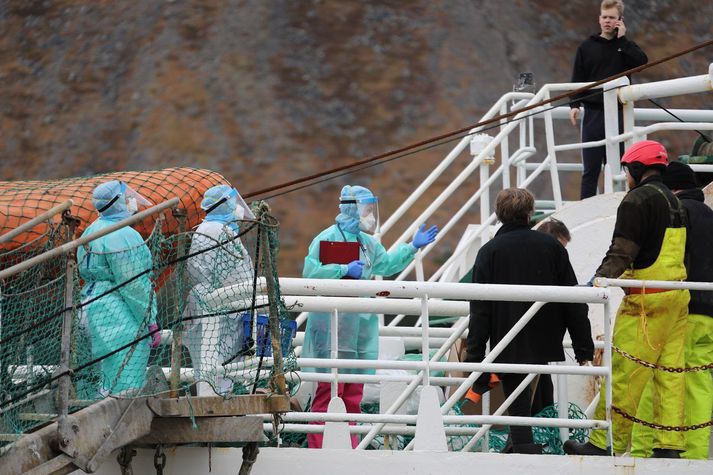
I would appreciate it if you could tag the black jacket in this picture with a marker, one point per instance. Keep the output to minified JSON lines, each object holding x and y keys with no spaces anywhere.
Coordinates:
{"x":519,"y":255}
{"x":699,"y":254}
{"x":641,"y":222}
{"x":598,"y":58}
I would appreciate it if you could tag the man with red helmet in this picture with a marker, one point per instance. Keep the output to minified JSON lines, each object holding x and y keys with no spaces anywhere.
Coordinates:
{"x":648,"y":243}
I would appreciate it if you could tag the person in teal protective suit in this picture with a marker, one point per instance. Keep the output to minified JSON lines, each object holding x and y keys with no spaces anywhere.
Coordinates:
{"x":129,"y":312}
{"x":358,"y":333}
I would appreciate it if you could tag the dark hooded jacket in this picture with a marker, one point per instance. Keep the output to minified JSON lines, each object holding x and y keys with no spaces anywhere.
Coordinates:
{"x":699,"y":253}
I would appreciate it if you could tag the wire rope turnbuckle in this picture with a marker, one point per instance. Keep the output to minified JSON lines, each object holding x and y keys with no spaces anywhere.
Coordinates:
{"x":159,"y":460}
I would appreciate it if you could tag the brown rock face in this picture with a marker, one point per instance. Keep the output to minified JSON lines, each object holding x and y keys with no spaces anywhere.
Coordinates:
{"x":269,"y":91}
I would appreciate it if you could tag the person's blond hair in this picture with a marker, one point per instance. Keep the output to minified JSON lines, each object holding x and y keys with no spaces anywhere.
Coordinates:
{"x":618,"y":4}
{"x":514,"y":205}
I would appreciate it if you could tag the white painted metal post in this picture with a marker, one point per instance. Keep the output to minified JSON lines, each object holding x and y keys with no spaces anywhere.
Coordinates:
{"x":607,"y":364}
{"x":562,"y":403}
{"x":335,"y":351}
{"x":425,"y":349}
{"x":552,"y":156}
{"x":505,"y":150}
{"x":611,"y":128}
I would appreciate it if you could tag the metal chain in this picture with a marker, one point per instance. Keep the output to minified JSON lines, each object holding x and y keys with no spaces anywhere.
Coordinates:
{"x":159,"y":460}
{"x":659,"y":426}
{"x":659,"y":367}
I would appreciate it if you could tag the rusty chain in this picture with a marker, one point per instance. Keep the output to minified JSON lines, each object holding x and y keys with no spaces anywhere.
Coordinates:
{"x":659,"y":367}
{"x":660,"y":426}
{"x":159,"y":460}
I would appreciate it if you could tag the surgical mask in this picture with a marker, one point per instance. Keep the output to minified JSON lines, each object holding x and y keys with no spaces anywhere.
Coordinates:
{"x":367,"y":223}
{"x":131,"y":205}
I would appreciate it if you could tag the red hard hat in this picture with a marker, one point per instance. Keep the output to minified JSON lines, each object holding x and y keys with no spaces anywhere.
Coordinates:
{"x":646,"y":152}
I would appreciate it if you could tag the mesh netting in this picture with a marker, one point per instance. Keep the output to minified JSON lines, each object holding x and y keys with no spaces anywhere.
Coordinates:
{"x":21,"y":201}
{"x":212,"y":294}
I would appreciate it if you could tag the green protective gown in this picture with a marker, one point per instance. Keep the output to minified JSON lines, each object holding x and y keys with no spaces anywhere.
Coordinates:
{"x":122,"y":316}
{"x":358,"y":333}
{"x":651,"y":327}
{"x":699,"y":395}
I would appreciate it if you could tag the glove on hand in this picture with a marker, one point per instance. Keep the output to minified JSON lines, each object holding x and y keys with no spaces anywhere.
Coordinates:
{"x":424,"y":237}
{"x":354,"y":269}
{"x":155,"y":336}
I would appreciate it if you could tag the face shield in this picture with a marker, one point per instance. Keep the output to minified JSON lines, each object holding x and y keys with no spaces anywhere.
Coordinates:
{"x":367,"y":212}
{"x":241,"y":211}
{"x":132,"y":199}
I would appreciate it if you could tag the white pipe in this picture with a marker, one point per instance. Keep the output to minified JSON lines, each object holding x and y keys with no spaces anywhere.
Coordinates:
{"x":447,"y":290}
{"x":669,"y":88}
{"x":486,"y":366}
{"x":411,"y":419}
{"x":653,"y":284}
{"x":649,"y":114}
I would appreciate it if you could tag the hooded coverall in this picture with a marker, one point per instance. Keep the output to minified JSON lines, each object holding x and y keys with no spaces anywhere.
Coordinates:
{"x":358,"y":333}
{"x":212,"y":340}
{"x":121,"y":316}
{"x":650,"y":324}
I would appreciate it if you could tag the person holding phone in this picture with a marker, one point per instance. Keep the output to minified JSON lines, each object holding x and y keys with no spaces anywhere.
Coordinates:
{"x":601,"y":55}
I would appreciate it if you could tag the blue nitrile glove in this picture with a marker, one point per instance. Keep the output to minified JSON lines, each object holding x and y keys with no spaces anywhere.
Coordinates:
{"x":354,"y":269}
{"x":590,"y":282}
{"x":424,"y":237}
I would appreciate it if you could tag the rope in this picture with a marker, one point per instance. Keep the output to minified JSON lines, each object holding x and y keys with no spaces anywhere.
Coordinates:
{"x":493,"y":120}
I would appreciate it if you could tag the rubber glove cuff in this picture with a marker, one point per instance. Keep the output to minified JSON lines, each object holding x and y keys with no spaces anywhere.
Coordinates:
{"x":155,"y":338}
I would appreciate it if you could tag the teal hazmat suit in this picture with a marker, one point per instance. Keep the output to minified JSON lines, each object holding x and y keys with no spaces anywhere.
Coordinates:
{"x":123,"y":315}
{"x":358,"y":333}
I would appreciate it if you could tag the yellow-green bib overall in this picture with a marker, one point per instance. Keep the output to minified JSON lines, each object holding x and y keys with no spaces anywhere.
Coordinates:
{"x":651,"y":327}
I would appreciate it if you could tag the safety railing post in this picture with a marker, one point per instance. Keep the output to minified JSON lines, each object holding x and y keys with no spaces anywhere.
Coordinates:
{"x":607,"y":359}
{"x":611,"y":129}
{"x":552,"y":155}
{"x":334,"y":334}
{"x":64,"y":431}
{"x":177,"y":328}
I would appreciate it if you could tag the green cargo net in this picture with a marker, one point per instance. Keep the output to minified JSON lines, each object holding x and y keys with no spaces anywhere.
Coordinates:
{"x":214,"y":299}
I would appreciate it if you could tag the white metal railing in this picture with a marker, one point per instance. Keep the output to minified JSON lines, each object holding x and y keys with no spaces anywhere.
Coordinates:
{"x":336,"y":292}
{"x":518,"y":155}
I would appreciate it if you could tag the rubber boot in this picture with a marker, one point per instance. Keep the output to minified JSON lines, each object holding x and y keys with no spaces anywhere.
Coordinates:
{"x":666,"y":454}
{"x":572,"y":447}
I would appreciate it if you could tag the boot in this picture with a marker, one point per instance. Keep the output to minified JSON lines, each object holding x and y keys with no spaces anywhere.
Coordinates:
{"x":572,"y":447}
{"x":666,"y":454}
{"x":527,"y":449}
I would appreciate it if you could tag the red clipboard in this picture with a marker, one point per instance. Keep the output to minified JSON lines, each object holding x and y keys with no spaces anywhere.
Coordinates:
{"x":336,"y":252}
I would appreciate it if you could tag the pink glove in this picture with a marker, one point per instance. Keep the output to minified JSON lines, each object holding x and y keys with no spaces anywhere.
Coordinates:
{"x":155,"y":336}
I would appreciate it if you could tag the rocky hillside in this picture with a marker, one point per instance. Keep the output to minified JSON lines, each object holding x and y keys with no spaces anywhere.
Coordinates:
{"x":266,"y":91}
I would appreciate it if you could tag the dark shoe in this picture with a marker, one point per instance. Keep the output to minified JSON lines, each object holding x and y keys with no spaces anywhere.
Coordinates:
{"x":572,"y":447}
{"x":527,"y":449}
{"x":666,"y":454}
{"x":508,"y":446}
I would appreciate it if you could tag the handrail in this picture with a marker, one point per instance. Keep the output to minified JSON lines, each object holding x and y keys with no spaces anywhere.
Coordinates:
{"x":70,"y":246}
{"x":60,"y":208}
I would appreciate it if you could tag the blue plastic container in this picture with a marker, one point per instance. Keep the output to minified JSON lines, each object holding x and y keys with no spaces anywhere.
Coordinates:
{"x":262,"y":340}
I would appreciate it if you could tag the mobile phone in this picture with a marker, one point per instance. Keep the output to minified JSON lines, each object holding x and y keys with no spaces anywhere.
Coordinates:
{"x":616,"y":30}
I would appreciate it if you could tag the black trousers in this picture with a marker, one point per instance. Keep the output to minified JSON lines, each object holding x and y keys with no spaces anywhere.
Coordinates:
{"x":594,"y":158}
{"x":519,"y":407}
{"x":544,"y":395}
